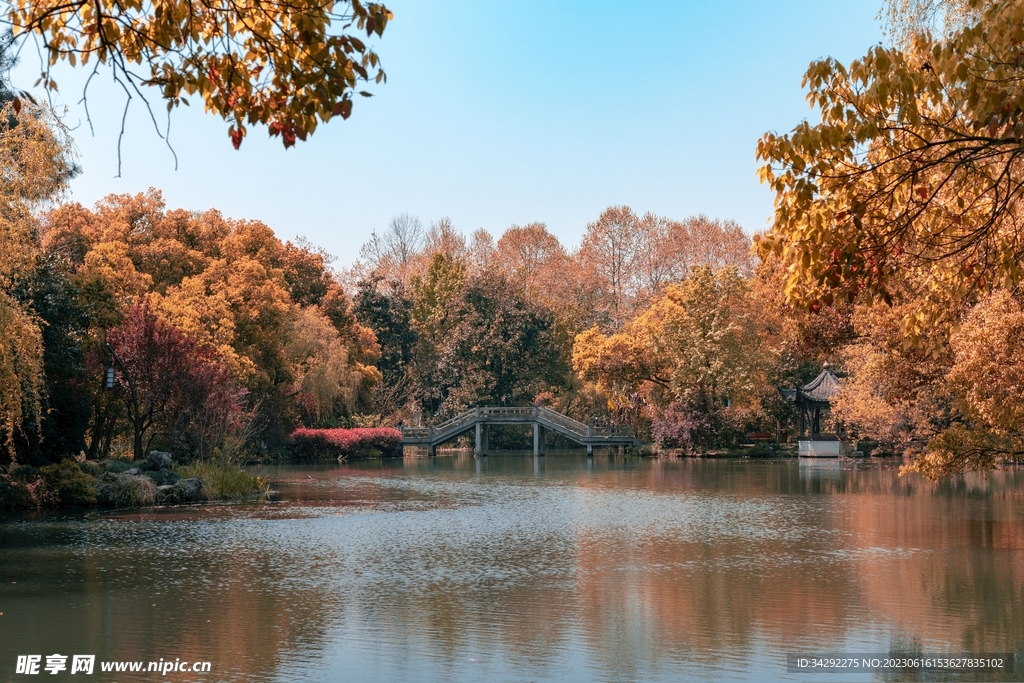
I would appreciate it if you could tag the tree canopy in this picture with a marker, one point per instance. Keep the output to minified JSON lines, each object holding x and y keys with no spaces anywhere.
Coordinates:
{"x":288,"y":64}
{"x":35,"y":158}
{"x":908,"y":187}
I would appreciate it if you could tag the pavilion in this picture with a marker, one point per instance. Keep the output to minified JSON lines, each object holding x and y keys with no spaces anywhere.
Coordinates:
{"x":811,"y":400}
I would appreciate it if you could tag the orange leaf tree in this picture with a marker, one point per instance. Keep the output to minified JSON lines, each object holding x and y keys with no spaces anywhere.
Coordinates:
{"x":287,"y":64}
{"x":909,"y":185}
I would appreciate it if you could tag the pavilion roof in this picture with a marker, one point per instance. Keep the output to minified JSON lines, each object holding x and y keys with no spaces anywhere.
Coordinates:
{"x":819,"y":390}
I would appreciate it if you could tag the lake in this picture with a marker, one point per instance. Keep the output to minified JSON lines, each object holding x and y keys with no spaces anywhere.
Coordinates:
{"x":514,"y":568}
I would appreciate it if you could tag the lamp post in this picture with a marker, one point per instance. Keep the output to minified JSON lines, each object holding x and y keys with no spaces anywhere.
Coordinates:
{"x":133,"y":405}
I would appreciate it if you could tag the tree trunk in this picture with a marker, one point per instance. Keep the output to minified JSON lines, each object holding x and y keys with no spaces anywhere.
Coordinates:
{"x":138,"y":439}
{"x":99,"y":420}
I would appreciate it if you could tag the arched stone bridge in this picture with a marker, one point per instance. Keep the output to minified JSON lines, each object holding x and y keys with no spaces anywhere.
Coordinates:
{"x":479,"y":419}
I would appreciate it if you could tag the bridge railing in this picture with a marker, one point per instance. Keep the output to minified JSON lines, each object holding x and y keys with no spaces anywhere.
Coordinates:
{"x":575,"y":427}
{"x":567,"y":423}
{"x":460,"y":419}
{"x":429,"y":432}
{"x":612,"y":431}
{"x":501,"y":411}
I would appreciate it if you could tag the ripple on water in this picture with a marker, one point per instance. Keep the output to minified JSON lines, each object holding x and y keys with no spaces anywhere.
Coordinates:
{"x":522,"y":573}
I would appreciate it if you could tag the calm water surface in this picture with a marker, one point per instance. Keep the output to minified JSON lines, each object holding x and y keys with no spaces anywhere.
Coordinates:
{"x":511,"y":568}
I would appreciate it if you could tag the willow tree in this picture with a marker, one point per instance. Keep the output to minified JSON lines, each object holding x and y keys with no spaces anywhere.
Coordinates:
{"x":34,"y":165}
{"x":287,"y":64}
{"x":908,"y":187}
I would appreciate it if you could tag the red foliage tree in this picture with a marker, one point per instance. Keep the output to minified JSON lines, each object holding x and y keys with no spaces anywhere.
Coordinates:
{"x":171,"y":382}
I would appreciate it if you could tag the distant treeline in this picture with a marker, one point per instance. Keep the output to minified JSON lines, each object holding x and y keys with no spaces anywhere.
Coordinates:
{"x":228,"y":339}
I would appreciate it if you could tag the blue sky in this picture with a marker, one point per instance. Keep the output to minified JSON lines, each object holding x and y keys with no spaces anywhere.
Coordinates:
{"x":501,"y":113}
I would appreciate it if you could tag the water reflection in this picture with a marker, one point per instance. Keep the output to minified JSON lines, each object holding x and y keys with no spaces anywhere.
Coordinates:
{"x":512,"y":567}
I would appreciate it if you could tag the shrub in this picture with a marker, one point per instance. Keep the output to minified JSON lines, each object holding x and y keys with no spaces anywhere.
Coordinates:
{"x":66,"y":485}
{"x":23,"y":473}
{"x":681,"y":427}
{"x":224,"y":481}
{"x":15,"y":494}
{"x":91,"y":467}
{"x":117,"y":465}
{"x":686,"y":428}
{"x":125,"y":490}
{"x":311,"y":445}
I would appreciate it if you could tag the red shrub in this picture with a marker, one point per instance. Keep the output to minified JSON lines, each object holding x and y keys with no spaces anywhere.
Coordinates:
{"x":310,"y":445}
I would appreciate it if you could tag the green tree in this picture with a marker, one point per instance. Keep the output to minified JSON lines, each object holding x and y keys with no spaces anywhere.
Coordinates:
{"x":433,"y":291}
{"x":387,"y":310}
{"x":323,"y":380}
{"x":500,"y":350}
{"x":59,"y":428}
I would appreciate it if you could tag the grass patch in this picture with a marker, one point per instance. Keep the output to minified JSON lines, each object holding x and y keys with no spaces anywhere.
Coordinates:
{"x":224,"y":481}
{"x":125,"y":490}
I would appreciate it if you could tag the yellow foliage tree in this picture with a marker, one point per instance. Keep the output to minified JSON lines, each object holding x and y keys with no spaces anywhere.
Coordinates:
{"x":908,"y":187}
{"x":987,"y":375}
{"x":697,"y":345}
{"x":203,"y":313}
{"x":319,"y":364}
{"x":949,"y":407}
{"x":35,"y":161}
{"x":286,"y":65}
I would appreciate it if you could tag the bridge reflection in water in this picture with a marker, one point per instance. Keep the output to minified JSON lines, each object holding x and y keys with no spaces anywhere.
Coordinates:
{"x":542,"y":419}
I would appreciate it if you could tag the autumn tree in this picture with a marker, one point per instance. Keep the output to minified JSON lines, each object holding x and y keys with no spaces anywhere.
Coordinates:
{"x":669,"y":249}
{"x":800,"y":340}
{"x":696,"y":350}
{"x":609,"y":250}
{"x":531,"y":257}
{"x":166,"y":375}
{"x":986,"y":375}
{"x":908,"y":187}
{"x":288,"y":66}
{"x":536,"y":263}
{"x":627,"y":260}
{"x":902,"y":19}
{"x":231,"y":286}
{"x":500,"y":349}
{"x":35,"y":161}
{"x":894,"y":393}
{"x":391,"y":253}
{"x":947,"y":408}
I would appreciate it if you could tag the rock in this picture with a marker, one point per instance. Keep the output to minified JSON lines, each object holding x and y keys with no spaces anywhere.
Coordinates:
{"x":158,"y":460}
{"x":185,"y":491}
{"x":190,"y":488}
{"x":135,"y":471}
